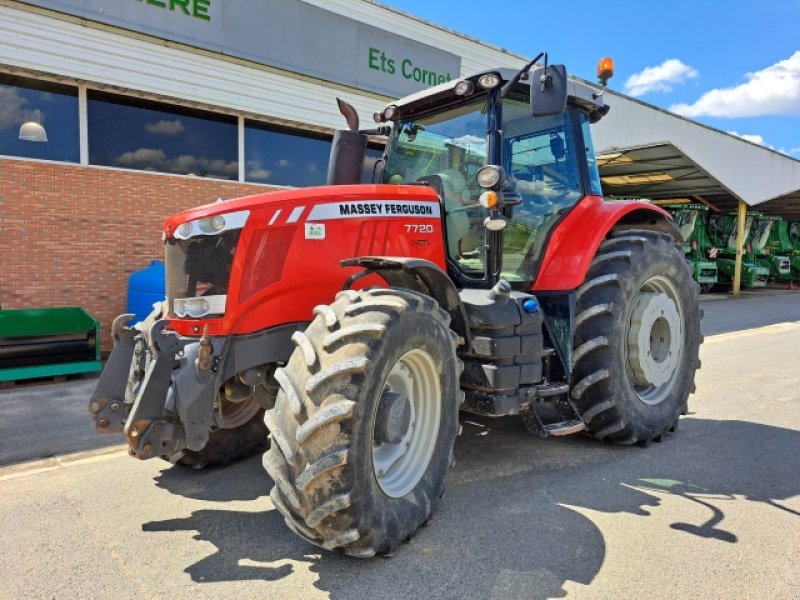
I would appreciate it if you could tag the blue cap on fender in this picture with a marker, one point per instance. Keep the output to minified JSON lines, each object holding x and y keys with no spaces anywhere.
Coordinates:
{"x":530,"y":306}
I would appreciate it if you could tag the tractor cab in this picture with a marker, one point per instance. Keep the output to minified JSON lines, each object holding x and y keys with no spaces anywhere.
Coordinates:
{"x":502,"y":141}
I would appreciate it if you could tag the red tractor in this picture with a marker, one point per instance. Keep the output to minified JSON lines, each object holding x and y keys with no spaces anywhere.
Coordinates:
{"x":484,"y":273}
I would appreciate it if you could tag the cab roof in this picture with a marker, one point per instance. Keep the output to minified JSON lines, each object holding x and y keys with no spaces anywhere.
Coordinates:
{"x":579,"y":93}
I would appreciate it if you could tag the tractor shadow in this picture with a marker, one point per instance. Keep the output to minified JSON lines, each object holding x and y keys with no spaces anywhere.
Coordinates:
{"x":505,"y":528}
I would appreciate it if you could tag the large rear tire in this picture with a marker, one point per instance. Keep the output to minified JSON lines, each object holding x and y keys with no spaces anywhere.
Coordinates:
{"x":364,"y":424}
{"x":637,"y":335}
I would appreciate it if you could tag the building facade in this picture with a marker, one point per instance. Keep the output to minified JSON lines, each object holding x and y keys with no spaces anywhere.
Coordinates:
{"x":114,"y":115}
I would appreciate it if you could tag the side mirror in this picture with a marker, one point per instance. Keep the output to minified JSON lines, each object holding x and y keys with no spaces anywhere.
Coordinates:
{"x":548,"y":90}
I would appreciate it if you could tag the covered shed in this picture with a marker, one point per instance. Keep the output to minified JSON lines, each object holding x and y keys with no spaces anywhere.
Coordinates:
{"x":645,"y":151}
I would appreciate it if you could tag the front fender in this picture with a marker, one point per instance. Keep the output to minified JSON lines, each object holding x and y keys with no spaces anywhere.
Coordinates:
{"x":574,"y":241}
{"x":422,"y":276}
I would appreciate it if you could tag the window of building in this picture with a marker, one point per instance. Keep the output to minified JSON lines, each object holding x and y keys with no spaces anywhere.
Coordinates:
{"x":38,"y":119}
{"x":285,"y":158}
{"x":137,"y":134}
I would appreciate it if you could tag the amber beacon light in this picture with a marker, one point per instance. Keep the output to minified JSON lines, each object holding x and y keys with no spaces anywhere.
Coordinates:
{"x":605,"y":70}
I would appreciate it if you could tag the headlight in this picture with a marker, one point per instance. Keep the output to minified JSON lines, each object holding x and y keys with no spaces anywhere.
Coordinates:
{"x":192,"y":307}
{"x":212,"y":225}
{"x":184,"y":230}
{"x":490,"y":176}
{"x":389,"y":112}
{"x":200,"y":306}
{"x":463,"y":88}
{"x":489,"y":81}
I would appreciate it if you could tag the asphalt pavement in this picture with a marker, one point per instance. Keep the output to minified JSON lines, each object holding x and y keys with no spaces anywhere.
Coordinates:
{"x":712,"y":512}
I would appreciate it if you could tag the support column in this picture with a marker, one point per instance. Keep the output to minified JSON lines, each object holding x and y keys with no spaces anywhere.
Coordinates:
{"x":240,"y":147}
{"x":737,"y":273}
{"x":83,"y":125}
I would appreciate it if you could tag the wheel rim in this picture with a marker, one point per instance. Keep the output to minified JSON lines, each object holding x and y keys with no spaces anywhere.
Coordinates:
{"x":655,"y":340}
{"x":236,"y":414}
{"x":399,"y":467}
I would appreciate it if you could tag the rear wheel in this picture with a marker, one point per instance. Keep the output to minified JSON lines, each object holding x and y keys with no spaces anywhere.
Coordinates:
{"x":364,"y":424}
{"x":637,"y":335}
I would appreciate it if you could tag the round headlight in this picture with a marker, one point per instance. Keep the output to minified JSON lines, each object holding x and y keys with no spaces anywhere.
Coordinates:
{"x":389,"y":112}
{"x":463,"y":88}
{"x":184,"y":230}
{"x":212,"y":224}
{"x":489,"y":81}
{"x":490,"y":176}
{"x":496,"y":223}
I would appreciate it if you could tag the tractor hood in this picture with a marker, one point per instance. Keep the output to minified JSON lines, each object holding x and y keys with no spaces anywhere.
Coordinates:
{"x":288,"y":205}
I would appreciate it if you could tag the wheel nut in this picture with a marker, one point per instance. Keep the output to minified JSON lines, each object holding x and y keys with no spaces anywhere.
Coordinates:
{"x":147,"y":449}
{"x":115,"y":406}
{"x":103,"y":422}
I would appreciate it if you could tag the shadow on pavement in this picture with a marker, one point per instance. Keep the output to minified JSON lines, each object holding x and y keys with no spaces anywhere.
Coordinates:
{"x":507,"y":527}
{"x":242,"y":480}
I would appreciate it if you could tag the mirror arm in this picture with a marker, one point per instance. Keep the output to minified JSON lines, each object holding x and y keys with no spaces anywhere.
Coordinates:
{"x":514,"y":80}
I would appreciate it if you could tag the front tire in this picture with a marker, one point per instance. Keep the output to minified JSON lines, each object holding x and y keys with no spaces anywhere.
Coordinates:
{"x":637,"y":335}
{"x":242,"y":434}
{"x":364,"y":424}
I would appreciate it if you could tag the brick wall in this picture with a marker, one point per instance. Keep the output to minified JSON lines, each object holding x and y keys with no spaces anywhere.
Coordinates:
{"x":71,"y":235}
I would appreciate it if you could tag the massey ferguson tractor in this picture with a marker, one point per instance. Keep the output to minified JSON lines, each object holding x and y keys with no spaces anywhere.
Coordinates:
{"x":482,"y":273}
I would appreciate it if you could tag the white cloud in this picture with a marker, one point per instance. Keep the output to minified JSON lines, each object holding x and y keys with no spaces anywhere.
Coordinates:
{"x":659,"y":78}
{"x":771,"y":91}
{"x":283,"y":163}
{"x":153,"y":159}
{"x":795,"y":150}
{"x":166,"y":127}
{"x":143,"y":158}
{"x":11,"y":104}
{"x":755,"y":138}
{"x":256,"y":171}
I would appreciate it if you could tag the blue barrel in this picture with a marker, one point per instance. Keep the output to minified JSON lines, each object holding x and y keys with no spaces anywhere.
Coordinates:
{"x":145,"y":287}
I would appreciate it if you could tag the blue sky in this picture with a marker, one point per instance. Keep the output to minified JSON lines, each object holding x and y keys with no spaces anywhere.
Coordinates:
{"x":731,"y":64}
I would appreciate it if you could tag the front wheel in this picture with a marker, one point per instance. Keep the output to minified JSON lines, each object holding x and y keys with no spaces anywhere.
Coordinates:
{"x":364,"y":424}
{"x":637,"y":335}
{"x":242,"y":434}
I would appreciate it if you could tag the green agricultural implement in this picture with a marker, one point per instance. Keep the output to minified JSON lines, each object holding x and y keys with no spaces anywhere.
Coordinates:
{"x":722,"y":231}
{"x":699,"y":251}
{"x":784,"y":240}
{"x":766,"y":251}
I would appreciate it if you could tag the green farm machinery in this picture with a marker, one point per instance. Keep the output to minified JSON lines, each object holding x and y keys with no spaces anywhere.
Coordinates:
{"x":722,"y":232}
{"x":777,"y":242}
{"x":699,"y":251}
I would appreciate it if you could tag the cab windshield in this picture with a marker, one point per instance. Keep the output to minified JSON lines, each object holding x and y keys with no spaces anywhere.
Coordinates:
{"x":446,"y":149}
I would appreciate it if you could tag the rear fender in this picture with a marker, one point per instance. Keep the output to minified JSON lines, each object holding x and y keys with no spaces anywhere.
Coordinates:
{"x":575,"y":239}
{"x":421,"y":276}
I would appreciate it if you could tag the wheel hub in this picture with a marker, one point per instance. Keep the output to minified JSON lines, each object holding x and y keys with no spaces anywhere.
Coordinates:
{"x":654,"y":339}
{"x":406,"y":424}
{"x":393,"y":419}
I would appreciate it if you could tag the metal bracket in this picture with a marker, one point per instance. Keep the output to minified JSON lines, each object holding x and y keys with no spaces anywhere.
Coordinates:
{"x":107,"y":406}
